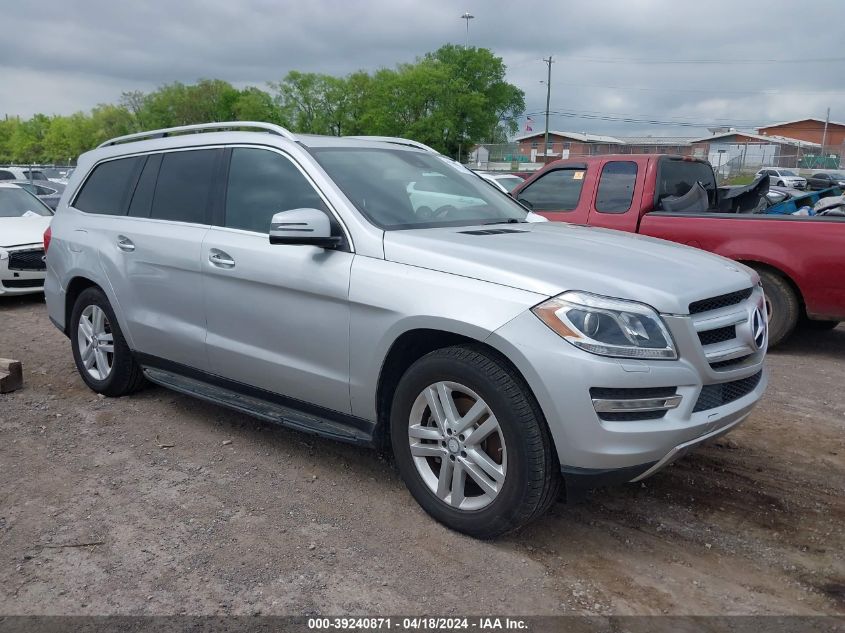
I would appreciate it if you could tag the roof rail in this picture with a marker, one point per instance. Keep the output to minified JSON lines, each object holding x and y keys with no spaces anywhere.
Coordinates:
{"x":202,"y":127}
{"x":396,"y":141}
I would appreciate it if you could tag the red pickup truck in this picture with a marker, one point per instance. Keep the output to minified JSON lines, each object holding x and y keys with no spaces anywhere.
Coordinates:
{"x":801,"y":260}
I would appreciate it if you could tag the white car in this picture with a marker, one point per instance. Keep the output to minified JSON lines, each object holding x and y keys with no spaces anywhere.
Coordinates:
{"x":23,"y":220}
{"x":783,"y":178}
{"x":505,"y":182}
{"x":22,"y":173}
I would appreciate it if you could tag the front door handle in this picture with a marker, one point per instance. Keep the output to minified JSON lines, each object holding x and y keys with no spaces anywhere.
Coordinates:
{"x":220,"y":258}
{"x":125,"y":244}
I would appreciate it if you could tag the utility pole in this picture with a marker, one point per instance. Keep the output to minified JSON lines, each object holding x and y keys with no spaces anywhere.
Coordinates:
{"x":467,"y":16}
{"x":824,"y":137}
{"x":549,"y":63}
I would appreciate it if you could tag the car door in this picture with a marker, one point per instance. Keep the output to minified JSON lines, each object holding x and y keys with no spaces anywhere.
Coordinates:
{"x":277,"y":315}
{"x":618,"y":181}
{"x":150,"y":251}
{"x":819,"y":181}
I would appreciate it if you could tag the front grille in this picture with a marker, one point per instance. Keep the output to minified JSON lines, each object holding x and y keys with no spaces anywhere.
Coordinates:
{"x":713,"y":396}
{"x":27,"y":260}
{"x":22,"y":283}
{"x":612,"y":393}
{"x":722,"y":301}
{"x":719,"y":335}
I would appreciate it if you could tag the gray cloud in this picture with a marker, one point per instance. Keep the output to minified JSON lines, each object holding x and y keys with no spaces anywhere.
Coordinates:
{"x":79,"y":53}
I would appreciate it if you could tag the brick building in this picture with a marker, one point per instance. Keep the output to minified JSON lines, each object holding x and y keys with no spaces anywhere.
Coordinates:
{"x":810,"y":130}
{"x":565,"y":144}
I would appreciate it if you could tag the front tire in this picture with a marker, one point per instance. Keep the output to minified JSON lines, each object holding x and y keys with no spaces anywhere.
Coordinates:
{"x":782,"y":306}
{"x":471,"y":443}
{"x":102,"y":357}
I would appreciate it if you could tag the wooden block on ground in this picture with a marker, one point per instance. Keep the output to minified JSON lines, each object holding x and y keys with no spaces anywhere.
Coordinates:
{"x":11,"y":375}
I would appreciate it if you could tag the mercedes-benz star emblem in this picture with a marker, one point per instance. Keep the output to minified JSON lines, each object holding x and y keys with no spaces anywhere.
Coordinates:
{"x":758,"y":328}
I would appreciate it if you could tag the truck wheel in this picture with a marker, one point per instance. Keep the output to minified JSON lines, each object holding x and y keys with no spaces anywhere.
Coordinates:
{"x":471,"y":442}
{"x":782,"y":306}
{"x":102,"y":356}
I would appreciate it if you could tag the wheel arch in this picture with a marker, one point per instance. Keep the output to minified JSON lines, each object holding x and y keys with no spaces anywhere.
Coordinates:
{"x":758,"y":265}
{"x":75,"y":287}
{"x":412,"y":345}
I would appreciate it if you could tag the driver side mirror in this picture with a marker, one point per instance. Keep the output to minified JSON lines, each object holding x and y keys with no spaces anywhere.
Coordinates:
{"x":303,"y":227}
{"x":524,"y":202}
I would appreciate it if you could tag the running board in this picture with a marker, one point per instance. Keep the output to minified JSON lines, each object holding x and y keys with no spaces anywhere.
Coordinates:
{"x":259,"y":407}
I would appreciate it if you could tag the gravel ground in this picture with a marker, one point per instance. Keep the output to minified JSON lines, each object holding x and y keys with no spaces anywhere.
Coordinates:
{"x":194,"y":509}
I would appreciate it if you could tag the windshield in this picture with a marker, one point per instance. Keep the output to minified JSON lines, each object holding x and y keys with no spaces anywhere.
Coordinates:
{"x":16,"y":203}
{"x":510,"y":182}
{"x":786,"y":172}
{"x":402,"y":189}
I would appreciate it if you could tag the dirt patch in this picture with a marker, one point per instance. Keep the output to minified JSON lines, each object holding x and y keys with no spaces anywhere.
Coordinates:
{"x":242,"y":517}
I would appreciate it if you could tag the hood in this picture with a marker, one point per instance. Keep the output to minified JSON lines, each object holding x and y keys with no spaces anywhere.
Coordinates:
{"x":549,"y":258}
{"x":18,"y":231}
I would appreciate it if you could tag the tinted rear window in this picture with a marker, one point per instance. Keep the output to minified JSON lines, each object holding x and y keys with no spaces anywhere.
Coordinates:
{"x":676,"y":177}
{"x":108,"y":187}
{"x":142,"y":199}
{"x":184,"y":186}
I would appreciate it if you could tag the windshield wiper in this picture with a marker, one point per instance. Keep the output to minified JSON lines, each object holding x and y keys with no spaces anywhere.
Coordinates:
{"x":507,"y":221}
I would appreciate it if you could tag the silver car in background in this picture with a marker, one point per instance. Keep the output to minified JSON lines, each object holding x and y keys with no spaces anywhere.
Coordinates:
{"x":376,"y":292}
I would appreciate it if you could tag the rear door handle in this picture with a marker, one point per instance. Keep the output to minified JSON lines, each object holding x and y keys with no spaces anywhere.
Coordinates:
{"x":125,"y":244}
{"x":220,"y":258}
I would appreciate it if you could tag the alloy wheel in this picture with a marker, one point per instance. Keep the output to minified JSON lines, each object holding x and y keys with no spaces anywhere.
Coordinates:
{"x":96,"y":342}
{"x":457,"y":445}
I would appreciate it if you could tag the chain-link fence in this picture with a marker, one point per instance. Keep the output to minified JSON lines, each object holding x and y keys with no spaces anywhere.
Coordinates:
{"x":729,"y":160}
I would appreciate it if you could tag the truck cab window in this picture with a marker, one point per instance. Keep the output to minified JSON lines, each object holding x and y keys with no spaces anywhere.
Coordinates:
{"x":558,"y":190}
{"x":616,"y":187}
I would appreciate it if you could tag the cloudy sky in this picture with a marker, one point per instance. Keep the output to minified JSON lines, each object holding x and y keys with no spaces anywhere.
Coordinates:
{"x":684,"y":63}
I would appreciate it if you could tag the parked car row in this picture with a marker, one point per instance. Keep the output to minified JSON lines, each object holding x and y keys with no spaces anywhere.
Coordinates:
{"x":42,"y":174}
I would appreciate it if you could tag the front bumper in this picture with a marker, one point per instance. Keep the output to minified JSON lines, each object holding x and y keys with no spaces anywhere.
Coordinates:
{"x":593,"y":448}
{"x":579,"y":481}
{"x":16,"y":281}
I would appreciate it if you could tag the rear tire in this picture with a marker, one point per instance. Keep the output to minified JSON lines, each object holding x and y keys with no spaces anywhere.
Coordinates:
{"x":782,"y":306}
{"x":102,"y":357}
{"x":518,"y":450}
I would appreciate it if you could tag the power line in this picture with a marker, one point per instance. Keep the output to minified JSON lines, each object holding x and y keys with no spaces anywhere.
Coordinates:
{"x":710,"y":91}
{"x":634,"y":60}
{"x":659,"y":122}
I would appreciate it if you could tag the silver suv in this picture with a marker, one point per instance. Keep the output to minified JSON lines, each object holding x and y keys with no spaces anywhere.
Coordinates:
{"x":376,"y":292}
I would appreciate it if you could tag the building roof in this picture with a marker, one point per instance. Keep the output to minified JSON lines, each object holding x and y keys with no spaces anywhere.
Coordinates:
{"x":575,"y":136}
{"x":768,"y":138}
{"x":672,"y":141}
{"x":811,"y":118}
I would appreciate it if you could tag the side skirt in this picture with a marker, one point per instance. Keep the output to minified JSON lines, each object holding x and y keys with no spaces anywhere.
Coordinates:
{"x":258,"y":403}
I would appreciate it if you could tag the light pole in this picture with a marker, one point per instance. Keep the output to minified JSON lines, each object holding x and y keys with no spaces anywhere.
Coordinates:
{"x":467,"y":16}
{"x":549,"y":62}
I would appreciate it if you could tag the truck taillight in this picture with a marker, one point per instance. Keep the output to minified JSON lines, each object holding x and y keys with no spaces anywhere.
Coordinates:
{"x":47,"y":235}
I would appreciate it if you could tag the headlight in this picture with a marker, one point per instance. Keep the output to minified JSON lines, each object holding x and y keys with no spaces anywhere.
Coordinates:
{"x":607,"y":326}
